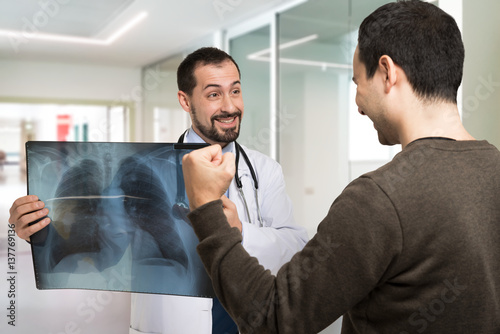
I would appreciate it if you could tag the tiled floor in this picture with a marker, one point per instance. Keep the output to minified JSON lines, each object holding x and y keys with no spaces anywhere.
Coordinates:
{"x":49,"y":311}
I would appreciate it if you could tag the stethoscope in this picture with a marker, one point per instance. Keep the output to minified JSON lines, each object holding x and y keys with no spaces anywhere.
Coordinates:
{"x":239,"y":150}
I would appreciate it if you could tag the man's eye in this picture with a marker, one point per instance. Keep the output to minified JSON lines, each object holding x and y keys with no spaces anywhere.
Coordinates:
{"x":236,"y":91}
{"x":213,"y":95}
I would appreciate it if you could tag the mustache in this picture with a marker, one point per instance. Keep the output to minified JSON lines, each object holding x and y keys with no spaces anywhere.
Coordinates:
{"x":225,"y":114}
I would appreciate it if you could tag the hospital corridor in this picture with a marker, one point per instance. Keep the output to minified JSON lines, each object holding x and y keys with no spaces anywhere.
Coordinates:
{"x":93,"y":120}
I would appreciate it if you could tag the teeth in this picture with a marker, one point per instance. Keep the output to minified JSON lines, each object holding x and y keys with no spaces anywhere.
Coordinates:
{"x":226,"y":121}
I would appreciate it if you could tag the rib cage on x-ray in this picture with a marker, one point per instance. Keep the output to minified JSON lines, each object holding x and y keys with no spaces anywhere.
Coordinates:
{"x":118,"y":218}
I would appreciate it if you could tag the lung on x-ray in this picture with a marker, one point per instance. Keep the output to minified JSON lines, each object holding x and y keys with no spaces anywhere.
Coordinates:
{"x":118,"y":218}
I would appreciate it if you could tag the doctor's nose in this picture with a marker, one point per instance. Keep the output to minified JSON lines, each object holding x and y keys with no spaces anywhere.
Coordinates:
{"x":229,"y":104}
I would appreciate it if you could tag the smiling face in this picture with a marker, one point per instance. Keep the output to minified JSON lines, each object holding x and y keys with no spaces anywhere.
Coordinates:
{"x":216,"y":103}
{"x":369,"y":99}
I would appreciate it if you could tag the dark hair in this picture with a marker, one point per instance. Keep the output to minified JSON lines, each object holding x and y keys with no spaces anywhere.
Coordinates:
{"x":422,"y":39}
{"x":186,"y":80}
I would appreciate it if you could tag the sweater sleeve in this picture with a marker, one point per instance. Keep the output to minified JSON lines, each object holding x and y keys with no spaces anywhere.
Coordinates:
{"x":354,"y":246}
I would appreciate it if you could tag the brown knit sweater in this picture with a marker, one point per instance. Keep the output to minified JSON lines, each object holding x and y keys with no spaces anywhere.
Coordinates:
{"x":413,"y":247}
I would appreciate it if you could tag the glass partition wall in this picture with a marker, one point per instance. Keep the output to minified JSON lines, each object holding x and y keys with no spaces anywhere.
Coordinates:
{"x":314,"y":74}
{"x":251,"y":53}
{"x":313,"y":129}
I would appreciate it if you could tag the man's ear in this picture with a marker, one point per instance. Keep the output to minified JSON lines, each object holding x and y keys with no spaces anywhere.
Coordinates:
{"x":389,"y":71}
{"x":184,"y":101}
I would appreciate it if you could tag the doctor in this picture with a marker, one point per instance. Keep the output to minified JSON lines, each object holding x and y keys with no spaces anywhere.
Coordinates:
{"x":210,"y":91}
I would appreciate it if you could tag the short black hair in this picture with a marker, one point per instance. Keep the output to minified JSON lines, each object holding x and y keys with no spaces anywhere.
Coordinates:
{"x":186,"y":80}
{"x":422,"y":39}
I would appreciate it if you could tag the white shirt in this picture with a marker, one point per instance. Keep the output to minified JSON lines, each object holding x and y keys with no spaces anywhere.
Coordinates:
{"x":273,"y":244}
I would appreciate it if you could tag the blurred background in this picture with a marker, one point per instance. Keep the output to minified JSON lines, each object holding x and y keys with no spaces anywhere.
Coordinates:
{"x":86,"y":70}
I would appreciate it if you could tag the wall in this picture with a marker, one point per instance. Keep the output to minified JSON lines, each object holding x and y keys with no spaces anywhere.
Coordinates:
{"x":313,"y":119}
{"x":481,"y":84}
{"x":65,"y":82}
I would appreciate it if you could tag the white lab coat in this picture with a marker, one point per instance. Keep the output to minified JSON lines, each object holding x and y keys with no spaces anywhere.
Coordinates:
{"x":273,"y":244}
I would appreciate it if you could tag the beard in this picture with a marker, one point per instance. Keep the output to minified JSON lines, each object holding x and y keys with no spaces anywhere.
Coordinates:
{"x":218,"y":135}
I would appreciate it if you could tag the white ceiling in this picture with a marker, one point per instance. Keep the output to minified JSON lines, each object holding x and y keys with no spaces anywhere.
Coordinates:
{"x":169,"y":27}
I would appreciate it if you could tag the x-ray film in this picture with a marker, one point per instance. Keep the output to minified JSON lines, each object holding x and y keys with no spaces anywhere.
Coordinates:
{"x":118,"y":218}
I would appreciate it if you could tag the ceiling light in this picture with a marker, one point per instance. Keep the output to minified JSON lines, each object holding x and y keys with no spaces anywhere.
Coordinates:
{"x":262,"y":55}
{"x":284,"y":46}
{"x":51,"y":37}
{"x":322,"y":64}
{"x":73,"y":39}
{"x":132,"y":23}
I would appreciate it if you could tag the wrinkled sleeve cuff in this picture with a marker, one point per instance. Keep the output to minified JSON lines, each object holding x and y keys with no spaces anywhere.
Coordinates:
{"x":209,"y":219}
